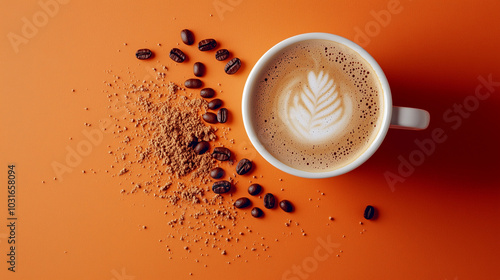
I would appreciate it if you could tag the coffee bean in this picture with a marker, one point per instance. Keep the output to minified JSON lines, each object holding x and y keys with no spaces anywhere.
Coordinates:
{"x":242,"y":202}
{"x":222,"y":115}
{"x":221,"y":55}
{"x":207,"y":44}
{"x":177,"y":55}
{"x":207,"y":93}
{"x":269,"y":201}
{"x":369,"y":212}
{"x":221,"y":187}
{"x":257,"y":212}
{"x":187,"y":37}
{"x":199,"y":69}
{"x":243,"y":166}
{"x":143,"y":54}
{"x":202,"y":147}
{"x":217,"y":173}
{"x":233,"y":66}
{"x":193,"y":83}
{"x":286,"y":206}
{"x":210,"y":117}
{"x":214,"y":104}
{"x":254,"y":189}
{"x":221,"y":153}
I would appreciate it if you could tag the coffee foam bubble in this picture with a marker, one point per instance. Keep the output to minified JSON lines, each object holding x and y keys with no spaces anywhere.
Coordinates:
{"x":317,"y":106}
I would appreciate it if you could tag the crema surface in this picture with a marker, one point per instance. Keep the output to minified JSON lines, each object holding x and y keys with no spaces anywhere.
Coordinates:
{"x":317,"y":106}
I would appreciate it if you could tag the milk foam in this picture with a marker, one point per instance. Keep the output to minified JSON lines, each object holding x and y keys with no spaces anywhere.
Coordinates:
{"x":317,"y":105}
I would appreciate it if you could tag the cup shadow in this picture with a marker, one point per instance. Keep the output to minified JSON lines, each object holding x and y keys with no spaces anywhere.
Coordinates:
{"x":470,"y":153}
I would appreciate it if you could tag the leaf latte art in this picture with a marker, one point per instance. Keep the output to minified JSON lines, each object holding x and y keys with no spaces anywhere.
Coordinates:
{"x":314,"y":108}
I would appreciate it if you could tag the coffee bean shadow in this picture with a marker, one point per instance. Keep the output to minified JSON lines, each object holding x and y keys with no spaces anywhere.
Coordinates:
{"x":468,"y":156}
{"x":242,"y":67}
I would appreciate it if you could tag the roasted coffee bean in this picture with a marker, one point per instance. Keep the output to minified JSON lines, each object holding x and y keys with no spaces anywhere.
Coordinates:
{"x":222,"y":115}
{"x":221,"y":153}
{"x":221,"y":55}
{"x":243,"y":166}
{"x":221,"y":187}
{"x":187,"y":37}
{"x":286,"y":205}
{"x":193,"y":83}
{"x":257,"y":212}
{"x":217,"y":173}
{"x":233,"y":66}
{"x":202,"y":147}
{"x":177,"y":55}
{"x":207,"y":93}
{"x":254,"y":189}
{"x":269,"y":201}
{"x":199,"y":69}
{"x":207,"y":44}
{"x":214,"y":104}
{"x":210,"y":117}
{"x":143,"y":54}
{"x":242,"y":202}
{"x":369,"y":212}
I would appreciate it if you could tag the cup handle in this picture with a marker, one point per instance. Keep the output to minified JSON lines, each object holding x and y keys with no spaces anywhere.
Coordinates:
{"x":409,"y":118}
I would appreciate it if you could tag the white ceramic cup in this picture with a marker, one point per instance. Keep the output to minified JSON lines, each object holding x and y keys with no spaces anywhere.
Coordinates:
{"x":394,"y":117}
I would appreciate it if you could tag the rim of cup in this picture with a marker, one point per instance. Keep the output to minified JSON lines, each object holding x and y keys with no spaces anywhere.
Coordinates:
{"x":252,"y":81}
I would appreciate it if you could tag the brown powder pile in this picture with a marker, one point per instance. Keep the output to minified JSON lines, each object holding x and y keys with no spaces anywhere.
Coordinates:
{"x":155,"y":123}
{"x":167,"y":125}
{"x":171,"y":132}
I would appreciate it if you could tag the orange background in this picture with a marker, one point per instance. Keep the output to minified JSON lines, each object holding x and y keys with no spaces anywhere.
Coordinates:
{"x":440,"y":223}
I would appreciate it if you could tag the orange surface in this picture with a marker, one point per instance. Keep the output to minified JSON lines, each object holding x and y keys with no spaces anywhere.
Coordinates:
{"x":440,"y":222}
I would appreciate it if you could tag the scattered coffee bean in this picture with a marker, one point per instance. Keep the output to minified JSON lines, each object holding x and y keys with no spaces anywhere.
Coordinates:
{"x":207,"y":93}
{"x":202,"y":147}
{"x":199,"y":69}
{"x":177,"y":55}
{"x":222,"y":115}
{"x":217,"y":173}
{"x":257,"y":212}
{"x":221,"y":153}
{"x":369,"y":212}
{"x":187,"y":37}
{"x":221,"y":55}
{"x":286,"y":206}
{"x":207,"y":44}
{"x":221,"y":187}
{"x":214,"y":104}
{"x":143,"y":54}
{"x":193,"y":83}
{"x":243,"y":166}
{"x":242,"y":202}
{"x":254,"y":189}
{"x":210,"y":117}
{"x":269,"y":201}
{"x":233,"y":66}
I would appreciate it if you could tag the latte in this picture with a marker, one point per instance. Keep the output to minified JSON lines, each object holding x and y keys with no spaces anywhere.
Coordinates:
{"x":317,"y":106}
